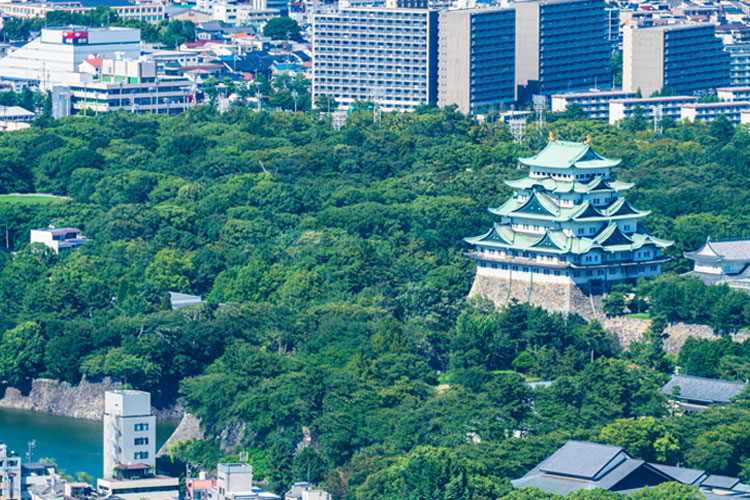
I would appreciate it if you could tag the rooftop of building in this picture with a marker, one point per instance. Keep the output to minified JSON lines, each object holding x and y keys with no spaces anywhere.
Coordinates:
{"x":648,"y":100}
{"x":703,"y":389}
{"x":704,"y":105}
{"x":14,"y":110}
{"x":58,"y":230}
{"x":583,"y":465}
{"x":675,"y":26}
{"x":595,"y":93}
{"x":737,"y":250}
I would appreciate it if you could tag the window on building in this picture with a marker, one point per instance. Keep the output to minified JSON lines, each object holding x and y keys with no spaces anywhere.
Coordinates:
{"x":141,"y":427}
{"x":140,"y":455}
{"x":140,"y":441}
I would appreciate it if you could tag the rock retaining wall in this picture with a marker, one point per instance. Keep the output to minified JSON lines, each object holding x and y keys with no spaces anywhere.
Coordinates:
{"x":570,"y":298}
{"x":83,"y":400}
{"x":189,"y":428}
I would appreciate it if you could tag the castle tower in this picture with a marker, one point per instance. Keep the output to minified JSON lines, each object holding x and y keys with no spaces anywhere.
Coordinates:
{"x":129,"y":430}
{"x":565,"y":236}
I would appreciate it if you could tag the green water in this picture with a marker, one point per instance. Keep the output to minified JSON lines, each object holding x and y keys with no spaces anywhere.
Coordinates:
{"x":76,"y":445}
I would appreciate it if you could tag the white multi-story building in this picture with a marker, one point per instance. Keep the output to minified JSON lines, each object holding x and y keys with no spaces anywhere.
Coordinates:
{"x":235,"y":482}
{"x":733,"y":93}
{"x":58,"y":52}
{"x":710,"y":111}
{"x":129,"y":430}
{"x":667,"y":106}
{"x":10,"y":473}
{"x":595,"y":104}
{"x":388,"y":55}
{"x":131,"y":85}
{"x":136,"y":482}
{"x":152,"y":12}
{"x":58,"y":238}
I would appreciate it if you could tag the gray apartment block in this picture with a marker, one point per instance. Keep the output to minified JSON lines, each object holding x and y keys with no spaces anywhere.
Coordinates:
{"x":386,"y":54}
{"x":476,"y":59}
{"x":687,"y":58}
{"x":561,"y":46}
{"x":739,"y":64}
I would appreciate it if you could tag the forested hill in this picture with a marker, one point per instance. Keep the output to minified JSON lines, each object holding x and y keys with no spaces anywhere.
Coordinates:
{"x":338,"y":257}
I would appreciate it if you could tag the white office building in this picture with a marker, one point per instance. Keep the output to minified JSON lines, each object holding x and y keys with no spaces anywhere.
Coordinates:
{"x":235,"y":482}
{"x":10,"y":473}
{"x":384,"y":54}
{"x":59,"y":51}
{"x":129,"y":430}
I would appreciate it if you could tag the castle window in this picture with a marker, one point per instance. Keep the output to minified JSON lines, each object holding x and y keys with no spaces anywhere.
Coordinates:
{"x":577,"y":274}
{"x":589,"y":273}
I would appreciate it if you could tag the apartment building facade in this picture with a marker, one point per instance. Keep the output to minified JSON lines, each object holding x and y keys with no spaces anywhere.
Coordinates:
{"x":476,"y":59}
{"x":561,"y":46}
{"x":666,"y":106}
{"x":370,"y":53}
{"x":594,"y":104}
{"x":687,"y":58}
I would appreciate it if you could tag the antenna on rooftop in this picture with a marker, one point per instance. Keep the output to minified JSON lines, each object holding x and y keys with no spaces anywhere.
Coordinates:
{"x":517,"y":129}
{"x":540,"y":106}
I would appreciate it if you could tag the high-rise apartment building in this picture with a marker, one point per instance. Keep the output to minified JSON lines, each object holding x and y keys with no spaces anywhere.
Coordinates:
{"x":383,"y":54}
{"x":561,"y":45}
{"x":476,"y":58}
{"x":739,"y":63}
{"x":686,"y":58}
{"x":129,"y":430}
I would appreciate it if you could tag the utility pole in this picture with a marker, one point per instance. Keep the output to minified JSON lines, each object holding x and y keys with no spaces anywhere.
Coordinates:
{"x":295,"y":94}
{"x":540,"y":106}
{"x":517,"y":129}
{"x":29,"y":454}
{"x":658,"y":115}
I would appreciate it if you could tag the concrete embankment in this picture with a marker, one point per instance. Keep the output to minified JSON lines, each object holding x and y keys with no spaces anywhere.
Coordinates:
{"x":83,"y":400}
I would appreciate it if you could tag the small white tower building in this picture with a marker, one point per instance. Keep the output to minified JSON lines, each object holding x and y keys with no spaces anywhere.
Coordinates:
{"x":129,"y":430}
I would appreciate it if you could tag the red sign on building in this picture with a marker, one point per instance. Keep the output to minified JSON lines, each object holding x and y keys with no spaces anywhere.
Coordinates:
{"x":75,"y":37}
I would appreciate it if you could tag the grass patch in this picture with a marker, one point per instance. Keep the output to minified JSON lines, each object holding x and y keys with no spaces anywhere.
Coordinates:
{"x":444,"y":378}
{"x":639,"y":315}
{"x":31,"y":199}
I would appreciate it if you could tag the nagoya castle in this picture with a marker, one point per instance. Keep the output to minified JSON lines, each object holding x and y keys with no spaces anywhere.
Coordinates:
{"x":566,"y":235}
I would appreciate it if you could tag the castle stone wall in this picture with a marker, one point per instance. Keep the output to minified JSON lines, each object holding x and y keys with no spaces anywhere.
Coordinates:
{"x":572,"y":298}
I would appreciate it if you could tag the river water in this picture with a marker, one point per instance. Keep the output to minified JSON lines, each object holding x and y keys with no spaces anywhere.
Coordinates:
{"x":76,"y":445}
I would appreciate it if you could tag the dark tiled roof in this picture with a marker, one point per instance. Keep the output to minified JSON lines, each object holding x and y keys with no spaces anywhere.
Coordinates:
{"x":680,"y":474}
{"x":703,"y":389}
{"x":619,"y":473}
{"x":580,"y":459}
{"x":723,"y":482}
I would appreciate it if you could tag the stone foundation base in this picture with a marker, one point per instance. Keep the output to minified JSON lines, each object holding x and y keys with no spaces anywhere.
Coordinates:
{"x":556,"y":297}
{"x":570,"y":298}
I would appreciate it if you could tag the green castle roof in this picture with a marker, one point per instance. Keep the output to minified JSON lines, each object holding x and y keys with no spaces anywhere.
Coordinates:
{"x":610,"y":239}
{"x":539,"y":206}
{"x":556,"y":186}
{"x":564,"y":154}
